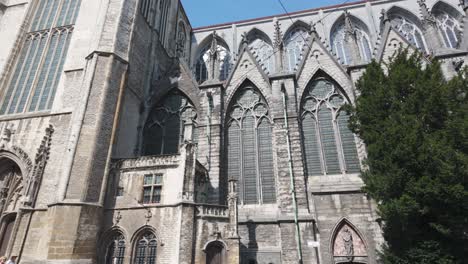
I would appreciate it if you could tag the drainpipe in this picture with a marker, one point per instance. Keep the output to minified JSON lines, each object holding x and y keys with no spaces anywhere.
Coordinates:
{"x":208,"y":134}
{"x":291,"y":174}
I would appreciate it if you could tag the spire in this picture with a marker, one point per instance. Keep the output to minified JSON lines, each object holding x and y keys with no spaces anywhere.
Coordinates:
{"x":427,"y":16}
{"x":278,"y":46}
{"x":213,"y":60}
{"x":278,"y":35}
{"x":349,"y":27}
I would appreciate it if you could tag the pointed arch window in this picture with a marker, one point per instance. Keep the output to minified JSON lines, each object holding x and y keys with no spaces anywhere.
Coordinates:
{"x":146,"y":249}
{"x":165,"y":124}
{"x":410,"y":31}
{"x":329,"y":144}
{"x":39,"y":66}
{"x":115,"y":252}
{"x":342,"y":48}
{"x":449,"y":27}
{"x":250,"y":153}
{"x":294,"y":46}
{"x":203,"y":60}
{"x":264,"y":52}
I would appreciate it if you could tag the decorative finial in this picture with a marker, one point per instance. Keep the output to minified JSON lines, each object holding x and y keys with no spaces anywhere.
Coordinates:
{"x":384,"y":17}
{"x":426,"y":14}
{"x":278,"y":35}
{"x":244,"y":39}
{"x":349,"y":27}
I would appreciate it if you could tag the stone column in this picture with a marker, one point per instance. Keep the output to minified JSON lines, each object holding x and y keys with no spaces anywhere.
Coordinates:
{"x":233,"y":238}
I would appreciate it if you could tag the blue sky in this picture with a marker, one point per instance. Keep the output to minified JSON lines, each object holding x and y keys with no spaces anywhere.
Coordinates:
{"x":209,"y":12}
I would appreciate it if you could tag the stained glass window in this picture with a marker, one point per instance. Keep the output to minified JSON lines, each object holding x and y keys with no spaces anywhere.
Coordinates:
{"x":115,"y":253}
{"x":165,"y":124}
{"x":294,"y":46}
{"x":410,"y":31}
{"x":342,"y":48}
{"x":250,"y":153}
{"x":449,"y":29}
{"x":329,"y":144}
{"x":37,"y":72}
{"x":146,"y":249}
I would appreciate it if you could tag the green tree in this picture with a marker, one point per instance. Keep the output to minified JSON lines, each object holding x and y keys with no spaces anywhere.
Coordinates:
{"x":415,"y":126}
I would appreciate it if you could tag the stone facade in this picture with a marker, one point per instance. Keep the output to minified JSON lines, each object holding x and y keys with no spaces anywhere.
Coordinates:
{"x":91,"y":180}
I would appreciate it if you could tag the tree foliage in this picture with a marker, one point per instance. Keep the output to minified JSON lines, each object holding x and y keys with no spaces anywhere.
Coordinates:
{"x":415,"y":126}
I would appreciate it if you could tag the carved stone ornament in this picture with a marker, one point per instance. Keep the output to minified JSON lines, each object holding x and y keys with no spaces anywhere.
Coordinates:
{"x":348,"y":245}
{"x":278,"y":36}
{"x":40,"y":161}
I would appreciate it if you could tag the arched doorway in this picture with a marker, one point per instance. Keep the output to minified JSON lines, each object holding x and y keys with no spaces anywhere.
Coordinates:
{"x":215,"y":253}
{"x":10,"y":196}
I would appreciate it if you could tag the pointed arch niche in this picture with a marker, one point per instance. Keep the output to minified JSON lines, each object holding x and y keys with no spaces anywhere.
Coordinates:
{"x":215,"y":252}
{"x":347,"y":244}
{"x":164,"y":128}
{"x":11,"y":192}
{"x":294,"y":41}
{"x":409,"y":26}
{"x":329,"y":145}
{"x":448,"y":22}
{"x":345,"y":30}
{"x":208,"y":46}
{"x":262,"y":48}
{"x":249,"y":146}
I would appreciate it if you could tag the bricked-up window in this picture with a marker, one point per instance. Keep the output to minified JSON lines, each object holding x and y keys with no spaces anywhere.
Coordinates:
{"x":37,"y":72}
{"x":115,"y":252}
{"x":341,"y":42}
{"x":294,"y":46}
{"x":250,"y":153}
{"x":152,"y":187}
{"x":164,"y":127}
{"x":329,"y":144}
{"x":146,"y":249}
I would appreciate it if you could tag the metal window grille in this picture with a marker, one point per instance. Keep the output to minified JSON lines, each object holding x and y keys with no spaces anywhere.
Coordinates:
{"x":329,"y":144}
{"x":152,"y":188}
{"x":37,"y":72}
{"x":146,"y":249}
{"x":249,"y":148}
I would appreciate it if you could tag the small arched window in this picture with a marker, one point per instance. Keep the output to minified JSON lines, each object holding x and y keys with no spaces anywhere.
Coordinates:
{"x":329,"y":144}
{"x":202,"y":63}
{"x":263,"y":51}
{"x":294,"y":46}
{"x":250,"y":153}
{"x":449,"y":28}
{"x":341,"y":44}
{"x":146,"y":249}
{"x":410,"y":31}
{"x":115,"y":252}
{"x":165,"y":124}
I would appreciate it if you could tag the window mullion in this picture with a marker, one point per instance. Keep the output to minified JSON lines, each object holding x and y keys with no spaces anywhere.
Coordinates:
{"x":259,"y":176}
{"x":50,"y":30}
{"x":320,"y":145}
{"x":19,"y":75}
{"x":338,"y":142}
{"x":28,"y":74}
{"x":241,"y":161}
{"x":47,"y":73}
